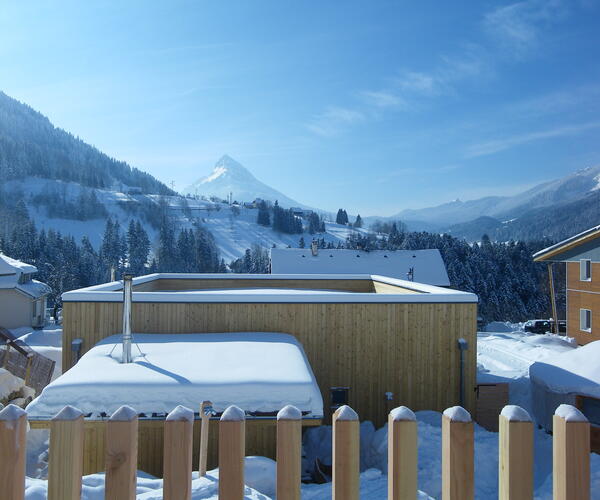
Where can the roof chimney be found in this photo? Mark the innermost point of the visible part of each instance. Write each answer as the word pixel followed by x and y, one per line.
pixel 127 298
pixel 314 248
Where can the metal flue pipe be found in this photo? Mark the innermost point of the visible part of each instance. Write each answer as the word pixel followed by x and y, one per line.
pixel 127 299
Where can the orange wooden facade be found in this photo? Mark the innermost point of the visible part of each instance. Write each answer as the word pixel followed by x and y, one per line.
pixel 583 295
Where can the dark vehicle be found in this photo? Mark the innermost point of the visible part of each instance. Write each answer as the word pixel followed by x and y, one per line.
pixel 542 326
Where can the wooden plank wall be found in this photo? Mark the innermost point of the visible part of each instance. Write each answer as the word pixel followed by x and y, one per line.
pixel 407 349
pixel 583 295
pixel 260 440
pixel 359 286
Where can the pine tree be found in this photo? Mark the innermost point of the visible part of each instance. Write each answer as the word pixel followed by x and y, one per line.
pixel 358 222
pixel 263 218
pixel 301 243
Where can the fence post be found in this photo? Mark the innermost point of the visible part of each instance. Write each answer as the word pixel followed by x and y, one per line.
pixel 402 454
pixel 289 453
pixel 457 455
pixel 232 449
pixel 13 429
pixel 177 466
pixel 571 454
pixel 121 454
pixel 346 454
pixel 205 411
pixel 65 461
pixel 515 447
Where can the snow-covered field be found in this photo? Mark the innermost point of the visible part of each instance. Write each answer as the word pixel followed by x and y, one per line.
pixel 234 230
pixel 504 354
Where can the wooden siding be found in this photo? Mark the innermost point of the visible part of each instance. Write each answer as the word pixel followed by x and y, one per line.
pixel 359 286
pixel 408 349
pixel 583 295
pixel 387 288
pixel 260 440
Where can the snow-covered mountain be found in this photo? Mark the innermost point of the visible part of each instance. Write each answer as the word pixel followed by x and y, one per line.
pixel 229 176
pixel 568 189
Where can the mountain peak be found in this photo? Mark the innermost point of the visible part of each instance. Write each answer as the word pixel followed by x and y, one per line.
pixel 230 176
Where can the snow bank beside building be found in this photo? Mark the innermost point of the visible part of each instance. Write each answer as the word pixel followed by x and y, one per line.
pixel 558 380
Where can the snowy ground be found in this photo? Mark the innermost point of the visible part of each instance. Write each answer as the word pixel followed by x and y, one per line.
pixel 504 355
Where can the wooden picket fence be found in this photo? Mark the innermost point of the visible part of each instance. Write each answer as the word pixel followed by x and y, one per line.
pixel 571 455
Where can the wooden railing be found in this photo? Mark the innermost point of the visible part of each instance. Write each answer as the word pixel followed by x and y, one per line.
pixel 571 454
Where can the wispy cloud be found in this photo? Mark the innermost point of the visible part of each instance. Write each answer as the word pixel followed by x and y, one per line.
pixel 518 26
pixel 497 145
pixel 333 120
pixel 383 99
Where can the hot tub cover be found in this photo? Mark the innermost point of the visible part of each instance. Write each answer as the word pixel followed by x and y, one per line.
pixel 259 372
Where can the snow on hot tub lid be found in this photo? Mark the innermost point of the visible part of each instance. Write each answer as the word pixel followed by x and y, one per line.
pixel 573 372
pixel 257 371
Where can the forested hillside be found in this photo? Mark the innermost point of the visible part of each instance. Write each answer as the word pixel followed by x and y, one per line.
pixel 510 286
pixel 30 146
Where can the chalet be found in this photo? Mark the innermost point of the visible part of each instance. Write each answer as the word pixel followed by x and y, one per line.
pixel 581 253
pixel 22 299
pixel 422 266
pixel 301 212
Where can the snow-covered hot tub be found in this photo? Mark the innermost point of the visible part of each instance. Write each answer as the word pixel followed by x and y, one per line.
pixel 259 372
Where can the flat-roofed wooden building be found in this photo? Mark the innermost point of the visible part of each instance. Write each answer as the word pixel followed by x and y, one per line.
pixel 581 253
pixel 385 342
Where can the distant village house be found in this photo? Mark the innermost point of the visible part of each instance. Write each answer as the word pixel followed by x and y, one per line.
pixel 22 299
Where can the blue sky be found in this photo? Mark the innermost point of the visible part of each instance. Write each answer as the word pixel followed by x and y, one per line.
pixel 371 106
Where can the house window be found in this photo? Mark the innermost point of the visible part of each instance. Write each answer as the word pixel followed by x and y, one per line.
pixel 585 320
pixel 585 270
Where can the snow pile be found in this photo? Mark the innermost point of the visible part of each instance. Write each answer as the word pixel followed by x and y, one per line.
pixel 515 414
pixel 570 414
pixel 558 380
pixel 577 371
pixel 148 487
pixel 259 372
pixel 457 414
pixel 10 385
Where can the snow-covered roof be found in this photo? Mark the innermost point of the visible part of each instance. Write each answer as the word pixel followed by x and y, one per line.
pixel 428 265
pixel 562 246
pixel 13 266
pixel 573 372
pixel 408 291
pixel 259 372
pixel 10 274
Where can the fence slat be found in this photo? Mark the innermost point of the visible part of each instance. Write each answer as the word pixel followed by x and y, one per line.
pixel 121 454
pixel 571 454
pixel 177 466
pixel 289 453
pixel 13 429
pixel 65 461
pixel 346 458
pixel 457 455
pixel 402 454
pixel 515 448
pixel 205 409
pixel 232 448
